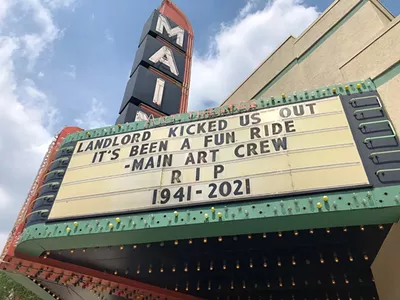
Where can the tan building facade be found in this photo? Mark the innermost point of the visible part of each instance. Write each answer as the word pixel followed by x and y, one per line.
pixel 351 40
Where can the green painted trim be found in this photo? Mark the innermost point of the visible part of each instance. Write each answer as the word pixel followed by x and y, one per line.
pixel 313 47
pixel 227 110
pixel 30 285
pixel 342 208
pixel 388 75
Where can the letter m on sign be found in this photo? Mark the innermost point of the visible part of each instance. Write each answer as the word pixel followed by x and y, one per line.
pixel 162 23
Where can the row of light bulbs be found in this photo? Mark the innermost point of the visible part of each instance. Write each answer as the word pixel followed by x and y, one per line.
pixel 251 264
pixel 235 238
pixel 43 287
pixel 279 282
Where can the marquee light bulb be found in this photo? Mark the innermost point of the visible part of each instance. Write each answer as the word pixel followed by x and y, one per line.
pixel 176 213
pixel 75 224
pixel 219 215
pixel 319 205
pixel 213 209
pixel 68 229
pixel 220 239
pixel 206 216
pixel 190 242
pixel 118 220
pixel 325 198
pixel 205 240
pixel 111 226
pixel 264 235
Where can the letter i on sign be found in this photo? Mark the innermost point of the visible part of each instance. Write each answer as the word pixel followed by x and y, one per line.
pixel 197 174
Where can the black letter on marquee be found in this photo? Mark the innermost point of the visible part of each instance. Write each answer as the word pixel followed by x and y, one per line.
pixel 185 144
pixel 285 112
pixel 255 133
pixel 190 159
pixel 197 174
pixel 311 106
pixel 146 135
pixel 176 174
pixel 172 131
pixel 237 151
pixel 217 170
pixel 289 126
pixel 214 154
pixel 280 143
pixel 115 154
pixel 80 148
pixel 276 128
pixel 134 151
pixel 207 139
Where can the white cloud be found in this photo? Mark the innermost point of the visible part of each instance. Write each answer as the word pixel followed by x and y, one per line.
pixel 94 117
pixel 3 239
pixel 5 198
pixel 238 48
pixel 36 42
pixel 109 36
pixel 27 115
pixel 4 7
pixel 71 72
pixel 60 3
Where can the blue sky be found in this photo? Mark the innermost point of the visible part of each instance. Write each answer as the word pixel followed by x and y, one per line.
pixel 66 62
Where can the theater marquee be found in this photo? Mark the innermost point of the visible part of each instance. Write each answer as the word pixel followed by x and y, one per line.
pixel 270 152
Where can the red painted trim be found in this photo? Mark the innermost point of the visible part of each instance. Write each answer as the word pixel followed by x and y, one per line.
pixel 170 10
pixel 70 274
pixel 151 110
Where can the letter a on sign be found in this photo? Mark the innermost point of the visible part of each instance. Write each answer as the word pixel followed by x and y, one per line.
pixel 166 57
pixel 162 23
